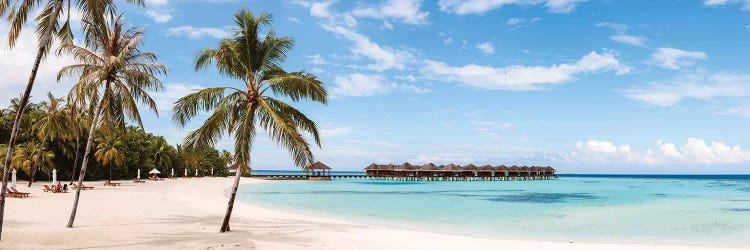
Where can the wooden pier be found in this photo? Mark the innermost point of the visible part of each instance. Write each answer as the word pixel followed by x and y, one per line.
pixel 428 172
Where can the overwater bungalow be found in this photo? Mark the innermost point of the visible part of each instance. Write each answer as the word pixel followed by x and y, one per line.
pixel 514 171
pixel 405 170
pixel 502 171
pixel 428 170
pixel 318 169
pixel 453 172
pixel 486 171
pixel 525 171
pixel 470 170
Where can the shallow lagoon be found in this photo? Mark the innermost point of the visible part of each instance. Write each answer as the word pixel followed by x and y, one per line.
pixel 599 209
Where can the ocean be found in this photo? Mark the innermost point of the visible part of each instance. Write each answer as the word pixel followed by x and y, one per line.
pixel 661 209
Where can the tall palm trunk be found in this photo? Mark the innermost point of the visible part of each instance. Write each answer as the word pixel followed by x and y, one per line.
pixel 22 105
pixel 86 153
pixel 75 163
pixel 225 223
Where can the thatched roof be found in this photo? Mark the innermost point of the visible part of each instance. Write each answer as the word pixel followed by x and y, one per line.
pixel 451 167
pixel 514 168
pixel 525 169
pixel 549 169
pixel 319 166
pixel 428 167
pixel 470 167
pixel 372 167
pixel 487 168
pixel 389 167
pixel 502 168
pixel 406 166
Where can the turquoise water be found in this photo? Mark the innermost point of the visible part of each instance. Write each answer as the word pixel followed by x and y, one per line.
pixel 596 209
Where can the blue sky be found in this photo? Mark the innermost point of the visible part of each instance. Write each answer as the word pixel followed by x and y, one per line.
pixel 609 86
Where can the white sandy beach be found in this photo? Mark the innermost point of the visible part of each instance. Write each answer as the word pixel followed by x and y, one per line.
pixel 186 213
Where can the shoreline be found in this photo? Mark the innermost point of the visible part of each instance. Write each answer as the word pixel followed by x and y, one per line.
pixel 186 213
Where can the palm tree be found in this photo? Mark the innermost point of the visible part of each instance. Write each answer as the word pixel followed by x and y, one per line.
pixel 190 157
pixel 254 59
pixel 162 156
pixel 109 149
pixel 93 12
pixel 226 156
pixel 31 156
pixel 115 74
pixel 79 120
pixel 53 124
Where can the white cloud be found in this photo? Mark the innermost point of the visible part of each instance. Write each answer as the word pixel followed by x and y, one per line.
pixel 349 21
pixel 317 59
pixel 520 22
pixel 320 9
pixel 715 3
pixel 486 48
pixel 156 2
pixel 387 25
pixel 368 85
pixel 703 86
pixel 491 129
pixel 385 57
pixel 671 58
pixel 463 7
pixel 197 32
pixel 739 110
pixel 621 35
pixel 407 11
pixel 409 78
pixel 293 19
pixel 317 8
pixel 172 92
pixel 330 131
pixel 16 67
pixel 159 16
pixel 639 41
pixel 694 151
pixel 448 40
pixel 522 77
pixel 562 6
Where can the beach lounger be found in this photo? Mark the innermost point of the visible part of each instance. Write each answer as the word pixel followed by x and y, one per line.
pixel 106 183
pixel 84 187
pixel 49 189
pixel 12 192
pixel 16 193
pixel 139 181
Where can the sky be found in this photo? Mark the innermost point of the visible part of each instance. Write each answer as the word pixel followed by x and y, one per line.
pixel 609 86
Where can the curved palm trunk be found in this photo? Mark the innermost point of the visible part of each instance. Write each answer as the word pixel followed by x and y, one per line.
pixel 85 160
pixel 225 223
pixel 75 163
pixel 32 174
pixel 22 106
